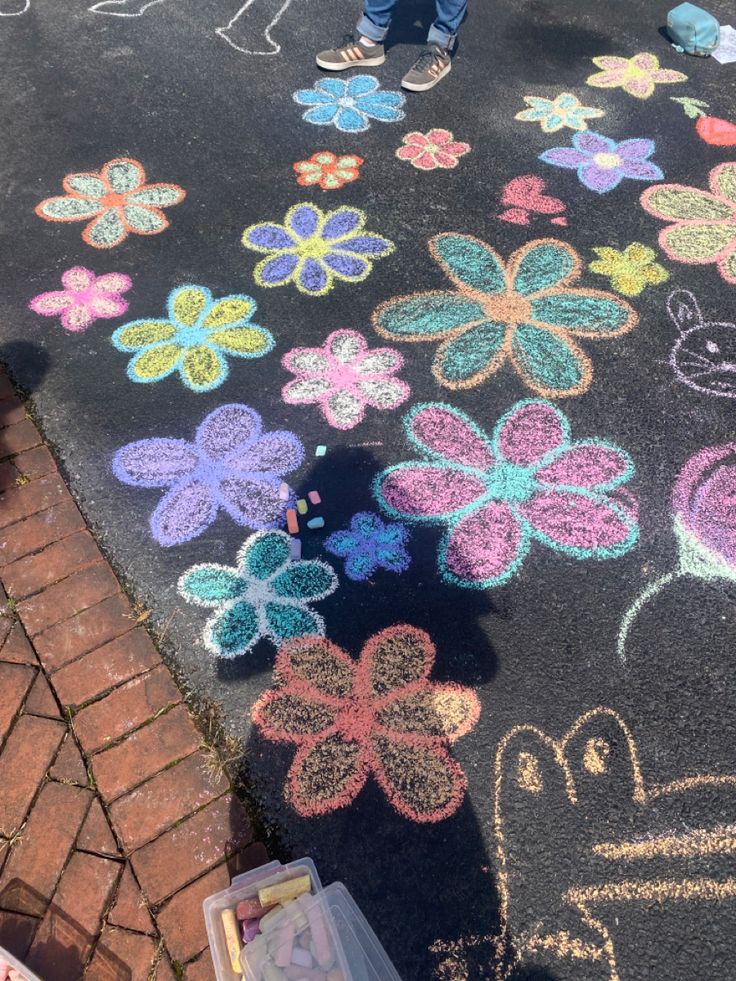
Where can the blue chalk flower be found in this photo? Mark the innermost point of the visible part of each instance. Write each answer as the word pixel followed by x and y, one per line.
pixel 370 544
pixel 265 595
pixel 350 105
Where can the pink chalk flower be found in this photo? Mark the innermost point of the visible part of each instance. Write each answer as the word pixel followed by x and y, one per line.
pixel 379 716
pixel 528 483
pixel 343 377
pixel 437 148
pixel 84 299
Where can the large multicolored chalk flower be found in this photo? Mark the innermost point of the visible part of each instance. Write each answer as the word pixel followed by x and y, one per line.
pixel 265 595
pixel 343 377
pixel 379 716
pixel 118 201
pixel 526 311
pixel 194 340
pixel 637 76
pixel 529 482
pixel 231 465
pixel 351 104
pixel 313 248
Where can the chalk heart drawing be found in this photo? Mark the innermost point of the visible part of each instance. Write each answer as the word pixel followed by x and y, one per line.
pixel 344 377
pixel 591 856
pixel 526 311
pixel 637 76
pixel 704 354
pixel 704 525
pixel 566 110
pixel 370 544
pixel 703 223
pixel 84 299
pixel 379 716
pixel 601 163
pixel 264 596
pixel 524 196
pixel 116 199
pixel 232 465
pixel 313 249
pixel 196 338
pixel 529 482
pixel 350 105
pixel 630 270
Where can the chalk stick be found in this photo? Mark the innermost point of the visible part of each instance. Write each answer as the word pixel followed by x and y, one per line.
pixel 272 973
pixel 314 497
pixel 291 521
pixel 297 973
pixel 302 506
pixel 285 945
pixel 301 957
pixel 320 451
pixel 251 929
pixel 230 928
pixel 296 549
pixel 284 492
pixel 249 909
pixel 285 891
pixel 322 946
pixel 316 523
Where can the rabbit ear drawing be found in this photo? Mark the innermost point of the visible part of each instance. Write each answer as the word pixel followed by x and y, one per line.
pixel 684 311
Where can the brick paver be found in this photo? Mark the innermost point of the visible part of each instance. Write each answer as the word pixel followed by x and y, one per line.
pixel 103 771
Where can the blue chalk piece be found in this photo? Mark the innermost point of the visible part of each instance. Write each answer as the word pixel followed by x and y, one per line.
pixel 320 451
pixel 316 523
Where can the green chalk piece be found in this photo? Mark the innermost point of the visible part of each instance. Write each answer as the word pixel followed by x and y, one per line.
pixel 302 506
pixel 316 523
pixel 320 451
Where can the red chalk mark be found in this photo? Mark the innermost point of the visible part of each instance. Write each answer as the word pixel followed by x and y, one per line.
pixel 525 195
pixel 558 221
pixel 518 216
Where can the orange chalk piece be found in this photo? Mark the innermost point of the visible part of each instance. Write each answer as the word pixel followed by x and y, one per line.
pixel 284 892
pixel 314 497
pixel 230 928
pixel 292 523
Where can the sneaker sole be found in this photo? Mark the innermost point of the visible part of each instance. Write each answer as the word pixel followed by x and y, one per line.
pixel 424 86
pixel 335 66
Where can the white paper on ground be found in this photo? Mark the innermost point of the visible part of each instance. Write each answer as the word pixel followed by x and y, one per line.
pixel 726 50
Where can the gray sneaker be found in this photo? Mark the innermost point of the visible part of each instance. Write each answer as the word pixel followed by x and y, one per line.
pixel 352 53
pixel 428 69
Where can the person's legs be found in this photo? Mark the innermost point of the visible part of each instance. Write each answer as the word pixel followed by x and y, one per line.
pixel 449 17
pixel 376 19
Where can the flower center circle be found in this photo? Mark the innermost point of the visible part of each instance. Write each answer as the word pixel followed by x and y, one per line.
pixel 113 200
pixel 507 308
pixel 347 102
pixel 509 482
pixel 190 336
pixel 356 720
pixel 314 247
pixel 607 161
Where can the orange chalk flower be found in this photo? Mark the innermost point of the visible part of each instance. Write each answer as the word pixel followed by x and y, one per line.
pixel 328 170
pixel 380 715
pixel 637 75
pixel 118 201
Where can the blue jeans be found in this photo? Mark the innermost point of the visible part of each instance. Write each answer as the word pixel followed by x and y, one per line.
pixel 377 16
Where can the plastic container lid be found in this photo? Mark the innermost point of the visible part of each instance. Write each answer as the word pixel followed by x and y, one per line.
pixel 246 886
pixel 348 948
pixel 5 955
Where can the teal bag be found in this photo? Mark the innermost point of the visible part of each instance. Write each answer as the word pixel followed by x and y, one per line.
pixel 693 30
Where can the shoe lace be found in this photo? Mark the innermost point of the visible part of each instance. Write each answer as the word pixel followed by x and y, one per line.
pixel 425 60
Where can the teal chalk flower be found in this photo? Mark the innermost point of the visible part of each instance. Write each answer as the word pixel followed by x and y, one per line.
pixel 194 339
pixel 554 114
pixel 265 595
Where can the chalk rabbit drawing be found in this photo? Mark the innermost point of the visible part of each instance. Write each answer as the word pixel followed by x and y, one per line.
pixel 603 876
pixel 248 31
pixel 704 355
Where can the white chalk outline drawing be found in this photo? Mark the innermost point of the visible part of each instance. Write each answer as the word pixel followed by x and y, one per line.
pixel 281 5
pixel 685 313
pixel 17 13
pixel 98 8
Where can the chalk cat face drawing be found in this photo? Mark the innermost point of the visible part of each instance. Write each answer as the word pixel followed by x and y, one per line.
pixel 602 876
pixel 704 355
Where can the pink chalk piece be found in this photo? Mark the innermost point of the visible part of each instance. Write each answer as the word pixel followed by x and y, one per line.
pixel 575 521
pixel 322 946
pixel 516 216
pixel 454 438
pixel 530 432
pixel 585 465
pixel 429 491
pixel 284 492
pixel 314 497
pixel 484 544
pixel 285 944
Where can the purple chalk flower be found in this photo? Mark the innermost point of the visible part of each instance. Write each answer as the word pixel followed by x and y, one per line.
pixel 602 163
pixel 232 464
pixel 370 544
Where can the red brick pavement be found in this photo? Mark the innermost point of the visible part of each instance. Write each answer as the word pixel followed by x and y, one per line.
pixel 112 828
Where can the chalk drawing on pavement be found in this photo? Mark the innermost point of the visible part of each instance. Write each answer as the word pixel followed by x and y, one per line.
pixel 565 906
pixel 14 8
pixel 524 197
pixel 249 30
pixel 704 354
pixel 123 8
